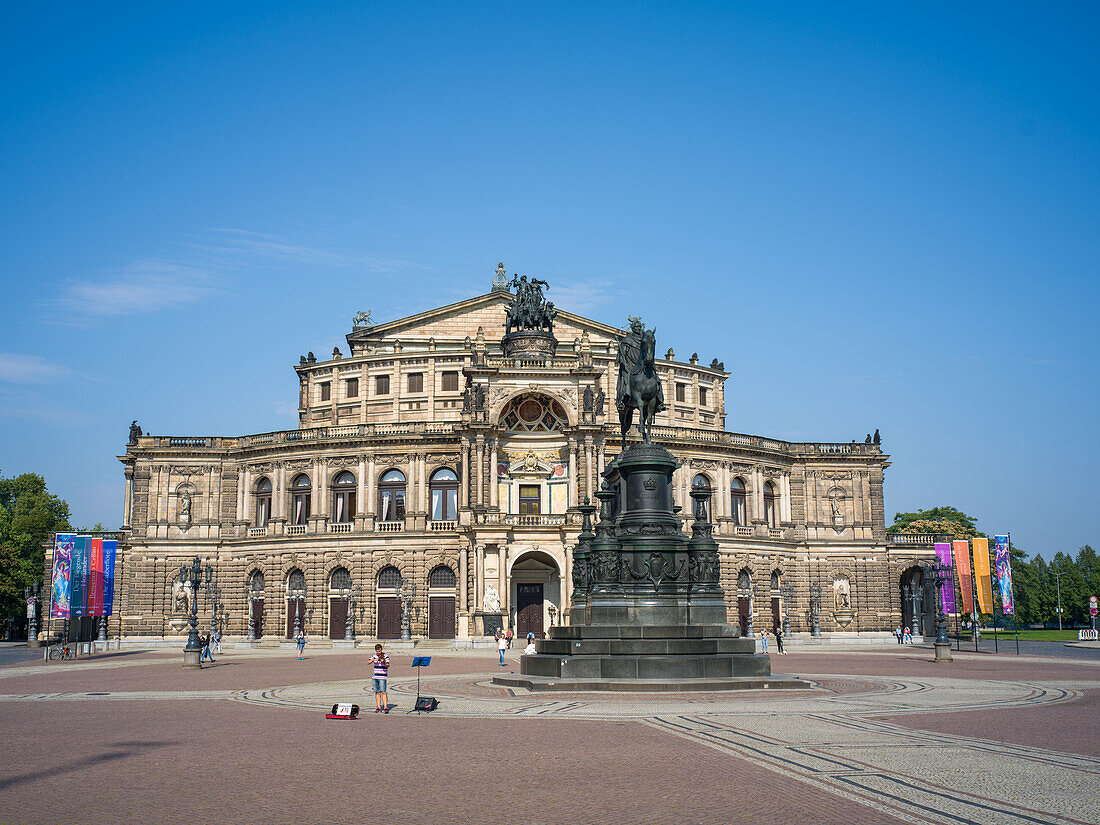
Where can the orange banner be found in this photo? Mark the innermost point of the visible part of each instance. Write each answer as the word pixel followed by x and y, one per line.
pixel 962 564
pixel 981 575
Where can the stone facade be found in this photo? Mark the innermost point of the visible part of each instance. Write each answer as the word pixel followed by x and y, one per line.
pixel 492 454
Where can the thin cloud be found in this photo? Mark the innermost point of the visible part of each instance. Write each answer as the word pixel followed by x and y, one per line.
pixel 144 286
pixel 243 247
pixel 30 369
pixel 585 297
pixel 29 405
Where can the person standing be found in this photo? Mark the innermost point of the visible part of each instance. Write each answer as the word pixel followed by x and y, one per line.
pixel 897 633
pixel 381 663
pixel 204 640
pixel 508 637
pixel 300 640
pixel 778 640
pixel 216 640
pixel 502 645
pixel 763 640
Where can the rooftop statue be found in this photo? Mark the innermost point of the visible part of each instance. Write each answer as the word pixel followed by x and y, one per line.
pixel 529 309
pixel 638 386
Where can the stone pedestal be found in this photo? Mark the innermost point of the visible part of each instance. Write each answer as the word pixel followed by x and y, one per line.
pixel 191 658
pixel 943 652
pixel 486 623
pixel 656 610
pixel 529 343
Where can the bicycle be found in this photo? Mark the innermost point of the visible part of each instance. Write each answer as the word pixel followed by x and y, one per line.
pixel 62 652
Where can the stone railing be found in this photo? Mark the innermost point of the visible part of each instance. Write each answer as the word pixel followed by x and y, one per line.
pixel 917 539
pixel 666 433
pixel 256 532
pixel 442 525
pixel 346 431
pixel 556 363
pixel 389 526
pixel 775 532
pixel 296 529
pixel 741 530
pixel 340 527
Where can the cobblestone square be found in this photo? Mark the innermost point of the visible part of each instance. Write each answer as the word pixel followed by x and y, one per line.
pixel 883 736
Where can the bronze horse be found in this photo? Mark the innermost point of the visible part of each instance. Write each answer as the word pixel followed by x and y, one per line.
pixel 643 390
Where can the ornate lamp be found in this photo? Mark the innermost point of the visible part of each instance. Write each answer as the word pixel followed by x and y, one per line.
pixel 787 591
pixel 195 574
pixel 940 574
pixel 815 609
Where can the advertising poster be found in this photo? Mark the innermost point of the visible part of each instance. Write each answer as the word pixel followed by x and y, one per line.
pixel 110 548
pixel 947 590
pixel 1002 564
pixel 981 575
pixel 78 600
pixel 962 565
pixel 62 573
pixel 95 577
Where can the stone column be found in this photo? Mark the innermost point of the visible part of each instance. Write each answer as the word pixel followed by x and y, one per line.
pixel 163 485
pixel 479 576
pixel 210 512
pixel 493 485
pixel 785 497
pixel 865 485
pixel 128 502
pixel 464 476
pixel 502 579
pixel 422 461
pixel 412 497
pixel 463 584
pixel 479 489
pixel 601 459
pixel 361 489
pixel 588 465
pixel 372 486
pixel 757 494
pixel 240 494
pixel 248 496
pixel 574 482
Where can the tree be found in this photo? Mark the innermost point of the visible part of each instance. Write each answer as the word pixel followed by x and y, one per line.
pixel 29 513
pixel 944 520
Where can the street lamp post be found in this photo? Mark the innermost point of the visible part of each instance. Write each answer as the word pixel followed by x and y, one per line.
pixel 31 593
pixel 815 609
pixel 1058 584
pixel 349 625
pixel 194 573
pixel 940 574
pixel 407 592
pixel 251 619
pixel 788 593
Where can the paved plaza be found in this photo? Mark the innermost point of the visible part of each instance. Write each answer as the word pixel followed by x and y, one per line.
pixel 883 736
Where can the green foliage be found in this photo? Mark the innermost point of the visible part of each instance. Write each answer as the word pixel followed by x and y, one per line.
pixel 946 520
pixel 28 514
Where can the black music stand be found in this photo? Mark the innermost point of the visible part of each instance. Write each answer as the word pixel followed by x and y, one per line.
pixel 428 704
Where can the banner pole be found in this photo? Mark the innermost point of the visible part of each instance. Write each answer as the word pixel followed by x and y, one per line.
pixel 1012 590
pixel 996 649
pixel 975 610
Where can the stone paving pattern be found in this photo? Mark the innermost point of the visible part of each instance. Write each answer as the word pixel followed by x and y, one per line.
pixel 245 741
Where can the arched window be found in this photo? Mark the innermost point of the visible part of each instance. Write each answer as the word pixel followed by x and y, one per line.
pixel 737 502
pixel 775 581
pixel 700 480
pixel 443 487
pixel 343 498
pixel 256 583
pixel 771 515
pixel 533 412
pixel 339 579
pixel 299 499
pixel 296 581
pixel 744 582
pixel 442 577
pixel 389 578
pixel 391 496
pixel 263 502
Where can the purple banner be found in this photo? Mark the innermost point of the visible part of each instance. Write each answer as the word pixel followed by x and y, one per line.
pixel 110 547
pixel 947 592
pixel 62 572
pixel 1002 564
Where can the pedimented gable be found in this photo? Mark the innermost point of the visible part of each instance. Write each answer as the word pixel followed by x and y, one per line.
pixel 455 322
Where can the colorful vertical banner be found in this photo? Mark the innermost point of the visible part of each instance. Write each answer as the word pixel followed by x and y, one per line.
pixel 95 577
pixel 78 598
pixel 981 575
pixel 962 565
pixel 1002 564
pixel 947 589
pixel 62 575
pixel 110 548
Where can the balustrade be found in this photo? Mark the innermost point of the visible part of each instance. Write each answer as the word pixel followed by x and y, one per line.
pixel 389 526
pixel 296 529
pixel 340 527
pixel 442 525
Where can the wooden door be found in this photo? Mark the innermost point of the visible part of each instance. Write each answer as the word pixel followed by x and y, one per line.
pixel 258 617
pixel 777 619
pixel 743 603
pixel 337 617
pixel 529 610
pixel 389 617
pixel 441 617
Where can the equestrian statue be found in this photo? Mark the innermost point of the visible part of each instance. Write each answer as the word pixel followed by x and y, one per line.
pixel 639 387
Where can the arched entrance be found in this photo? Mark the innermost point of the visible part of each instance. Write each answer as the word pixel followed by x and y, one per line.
pixel 389 604
pixel 744 602
pixel 912 600
pixel 339 600
pixel 535 591
pixel 295 602
pixel 256 604
pixel 441 602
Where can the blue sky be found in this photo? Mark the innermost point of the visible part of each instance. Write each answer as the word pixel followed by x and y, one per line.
pixel 878 215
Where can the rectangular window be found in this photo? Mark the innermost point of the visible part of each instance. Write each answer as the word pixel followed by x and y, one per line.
pixel 702 396
pixel 529 499
pixel 416 382
pixel 353 388
pixel 326 391
pixel 450 382
pixel 381 385
pixel 681 393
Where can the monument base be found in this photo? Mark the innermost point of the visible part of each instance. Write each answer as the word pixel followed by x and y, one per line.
pixel 943 652
pixel 191 658
pixel 647 658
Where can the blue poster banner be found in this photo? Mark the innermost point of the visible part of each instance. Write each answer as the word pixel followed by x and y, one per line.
pixel 81 570
pixel 62 575
pixel 110 548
